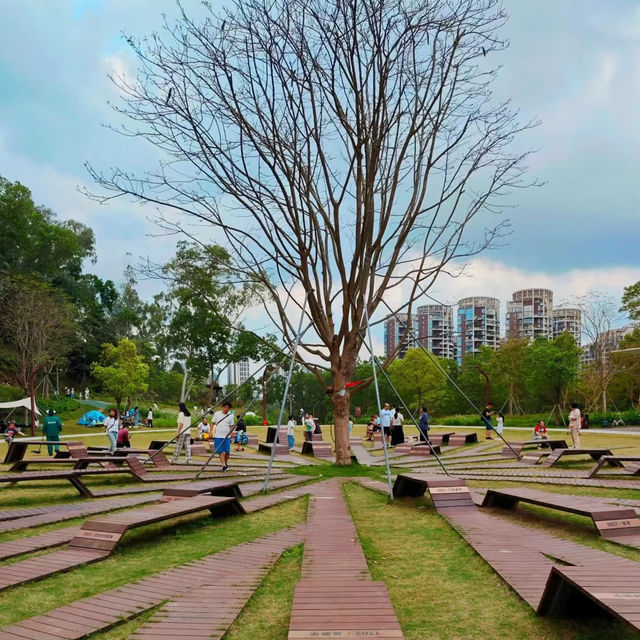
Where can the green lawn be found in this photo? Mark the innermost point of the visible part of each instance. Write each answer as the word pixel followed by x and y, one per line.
pixel 439 586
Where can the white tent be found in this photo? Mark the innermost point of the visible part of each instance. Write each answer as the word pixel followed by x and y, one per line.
pixel 25 402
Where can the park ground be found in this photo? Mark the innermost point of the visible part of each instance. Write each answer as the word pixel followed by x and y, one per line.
pixel 439 586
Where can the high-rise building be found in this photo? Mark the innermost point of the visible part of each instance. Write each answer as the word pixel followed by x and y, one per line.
pixel 529 314
pixel 394 332
pixel 478 324
pixel 607 342
pixel 568 319
pixel 239 372
pixel 435 330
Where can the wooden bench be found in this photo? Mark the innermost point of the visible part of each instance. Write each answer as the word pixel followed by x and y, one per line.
pixel 212 487
pixel 18 448
pixel 442 438
pixel 80 458
pixel 586 591
pixel 318 448
pixel 97 538
pixel 446 493
pixel 532 458
pixel 282 444
pixel 618 524
pixel 595 454
pixel 632 469
pixel 517 447
pixel 460 439
pixel 424 449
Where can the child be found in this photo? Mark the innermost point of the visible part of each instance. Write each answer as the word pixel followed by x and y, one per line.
pixel 500 425
pixel 204 429
pixel 12 431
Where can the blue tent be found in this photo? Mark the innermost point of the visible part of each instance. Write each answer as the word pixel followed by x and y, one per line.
pixel 92 419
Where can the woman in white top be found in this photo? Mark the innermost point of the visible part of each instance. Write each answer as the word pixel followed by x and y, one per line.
pixel 111 426
pixel 184 433
pixel 397 431
pixel 574 425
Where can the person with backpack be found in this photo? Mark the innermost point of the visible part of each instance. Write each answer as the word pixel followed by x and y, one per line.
pixel 51 429
pixel 223 425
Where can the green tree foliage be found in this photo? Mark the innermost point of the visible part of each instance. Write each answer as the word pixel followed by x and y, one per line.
pixel 627 377
pixel 631 301
pixel 122 371
pixel 34 242
pixel 36 328
pixel 204 304
pixel 552 365
pixel 417 379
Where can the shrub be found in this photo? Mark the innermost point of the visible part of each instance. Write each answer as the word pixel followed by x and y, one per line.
pixel 9 393
pixel 59 405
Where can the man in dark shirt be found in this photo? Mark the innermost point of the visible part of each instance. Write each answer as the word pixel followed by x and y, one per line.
pixel 423 424
pixel 486 418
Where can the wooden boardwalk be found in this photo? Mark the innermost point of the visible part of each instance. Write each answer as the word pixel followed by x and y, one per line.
pixel 615 523
pixel 102 611
pixel 336 597
pixel 533 562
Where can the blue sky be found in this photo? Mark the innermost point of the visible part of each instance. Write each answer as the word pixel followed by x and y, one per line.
pixel 574 64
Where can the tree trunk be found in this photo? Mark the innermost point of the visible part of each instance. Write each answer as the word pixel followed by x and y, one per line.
pixel 32 394
pixel 341 404
pixel 184 383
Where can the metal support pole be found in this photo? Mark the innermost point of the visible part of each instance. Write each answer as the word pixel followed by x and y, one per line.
pixel 375 382
pixel 406 408
pixel 447 376
pixel 294 350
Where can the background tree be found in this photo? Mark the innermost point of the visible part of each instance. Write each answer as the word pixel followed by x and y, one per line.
pixel 598 319
pixel 35 329
pixel 123 372
pixel 203 306
pixel 508 363
pixel 631 301
pixel 416 379
pixel 627 366
pixel 342 149
pixel 552 365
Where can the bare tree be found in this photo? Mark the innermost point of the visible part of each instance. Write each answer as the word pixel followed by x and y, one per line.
pixel 37 330
pixel 341 148
pixel 598 317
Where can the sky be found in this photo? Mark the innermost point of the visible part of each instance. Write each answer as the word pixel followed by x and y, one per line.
pixel 574 65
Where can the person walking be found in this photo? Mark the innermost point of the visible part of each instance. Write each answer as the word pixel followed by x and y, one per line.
pixel 51 428
pixel 486 419
pixel 184 434
pixel 111 426
pixel 86 393
pixel 423 424
pixel 150 418
pixel 575 424
pixel 397 431
pixel 291 434
pixel 223 424
pixel 385 422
